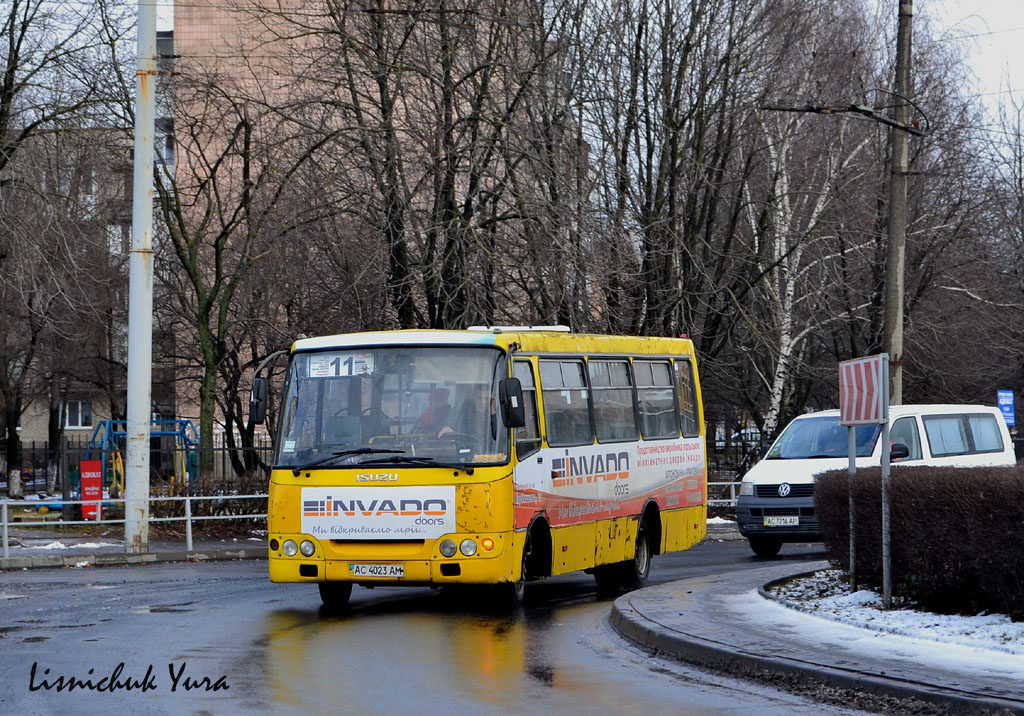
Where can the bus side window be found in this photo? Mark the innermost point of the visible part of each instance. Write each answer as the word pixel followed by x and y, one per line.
pixel 614 412
pixel 527 437
pixel 566 402
pixel 687 397
pixel 657 402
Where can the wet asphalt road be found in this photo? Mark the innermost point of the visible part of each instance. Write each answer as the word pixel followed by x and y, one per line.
pixel 247 646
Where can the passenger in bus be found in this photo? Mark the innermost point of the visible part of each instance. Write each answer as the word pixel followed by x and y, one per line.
pixel 472 414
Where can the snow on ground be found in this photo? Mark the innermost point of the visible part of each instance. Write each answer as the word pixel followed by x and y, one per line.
pixel 60 545
pixel 824 594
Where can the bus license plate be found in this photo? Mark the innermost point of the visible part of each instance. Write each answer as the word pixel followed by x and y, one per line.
pixel 377 570
pixel 788 521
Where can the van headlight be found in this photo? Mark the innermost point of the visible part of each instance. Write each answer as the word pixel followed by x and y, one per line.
pixel 746 488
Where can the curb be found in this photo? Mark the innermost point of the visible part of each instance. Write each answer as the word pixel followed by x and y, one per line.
pixel 700 651
pixel 113 559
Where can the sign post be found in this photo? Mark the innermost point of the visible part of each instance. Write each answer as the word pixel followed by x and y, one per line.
pixel 1004 399
pixel 91 479
pixel 864 400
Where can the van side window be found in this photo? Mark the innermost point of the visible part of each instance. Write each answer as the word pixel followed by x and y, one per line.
pixel 686 395
pixel 527 437
pixel 614 413
pixel 962 434
pixel 985 431
pixel 566 402
pixel 658 417
pixel 905 431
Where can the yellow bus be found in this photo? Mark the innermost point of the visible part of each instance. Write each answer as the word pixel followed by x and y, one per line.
pixel 487 456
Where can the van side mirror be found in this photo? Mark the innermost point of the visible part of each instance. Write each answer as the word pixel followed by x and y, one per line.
pixel 258 401
pixel 899 451
pixel 510 396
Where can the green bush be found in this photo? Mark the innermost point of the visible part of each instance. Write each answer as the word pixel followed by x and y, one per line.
pixel 955 534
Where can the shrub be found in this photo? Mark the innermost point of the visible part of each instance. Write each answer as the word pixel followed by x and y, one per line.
pixel 955 534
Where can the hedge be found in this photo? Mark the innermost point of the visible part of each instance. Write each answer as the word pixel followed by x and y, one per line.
pixel 956 534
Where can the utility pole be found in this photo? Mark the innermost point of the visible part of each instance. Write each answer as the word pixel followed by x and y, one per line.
pixel 897 234
pixel 140 292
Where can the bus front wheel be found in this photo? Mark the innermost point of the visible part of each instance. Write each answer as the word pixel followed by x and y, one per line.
pixel 335 595
pixel 511 594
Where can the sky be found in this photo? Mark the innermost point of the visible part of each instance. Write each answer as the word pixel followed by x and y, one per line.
pixel 993 31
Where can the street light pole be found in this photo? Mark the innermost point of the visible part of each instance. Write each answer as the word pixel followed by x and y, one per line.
pixel 897 232
pixel 140 297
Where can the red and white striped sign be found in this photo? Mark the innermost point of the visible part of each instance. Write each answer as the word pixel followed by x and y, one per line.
pixel 864 390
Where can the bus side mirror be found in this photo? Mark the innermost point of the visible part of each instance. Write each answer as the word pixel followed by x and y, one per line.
pixel 258 401
pixel 899 451
pixel 510 395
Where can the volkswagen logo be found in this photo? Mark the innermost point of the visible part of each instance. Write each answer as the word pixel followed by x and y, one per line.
pixel 784 489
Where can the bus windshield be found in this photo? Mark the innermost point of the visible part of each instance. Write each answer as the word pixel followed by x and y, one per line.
pixel 393 405
pixel 821 437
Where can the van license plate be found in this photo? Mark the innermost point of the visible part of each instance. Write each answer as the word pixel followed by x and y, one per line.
pixel 377 570
pixel 788 521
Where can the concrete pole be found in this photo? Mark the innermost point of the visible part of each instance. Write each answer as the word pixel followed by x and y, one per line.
pixel 899 165
pixel 140 300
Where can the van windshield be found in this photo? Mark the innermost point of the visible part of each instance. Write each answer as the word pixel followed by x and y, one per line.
pixel 808 438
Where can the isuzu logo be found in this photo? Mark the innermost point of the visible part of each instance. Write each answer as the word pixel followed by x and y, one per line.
pixel 784 489
pixel 377 477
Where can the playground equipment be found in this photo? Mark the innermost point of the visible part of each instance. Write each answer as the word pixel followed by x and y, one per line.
pixel 109 436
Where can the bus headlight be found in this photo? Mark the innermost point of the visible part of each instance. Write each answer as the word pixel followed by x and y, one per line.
pixel 307 548
pixel 746 488
pixel 447 548
pixel 468 547
pixel 290 548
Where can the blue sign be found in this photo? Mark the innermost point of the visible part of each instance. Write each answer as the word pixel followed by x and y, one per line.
pixel 1005 400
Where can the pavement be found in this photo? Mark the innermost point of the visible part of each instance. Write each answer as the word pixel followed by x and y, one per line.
pixel 35 548
pixel 704 622
pixel 700 621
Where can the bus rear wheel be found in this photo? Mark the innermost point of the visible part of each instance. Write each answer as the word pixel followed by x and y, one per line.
pixel 631 574
pixel 335 595
pixel 636 571
pixel 765 546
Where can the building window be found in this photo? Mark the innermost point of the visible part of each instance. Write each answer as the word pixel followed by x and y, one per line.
pixel 79 414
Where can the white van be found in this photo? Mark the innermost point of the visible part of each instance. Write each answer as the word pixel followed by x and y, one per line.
pixel 776 500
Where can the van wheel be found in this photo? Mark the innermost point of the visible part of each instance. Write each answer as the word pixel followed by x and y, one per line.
pixel 335 595
pixel 765 546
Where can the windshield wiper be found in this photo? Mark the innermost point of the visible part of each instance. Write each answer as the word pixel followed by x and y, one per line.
pixel 412 460
pixel 339 454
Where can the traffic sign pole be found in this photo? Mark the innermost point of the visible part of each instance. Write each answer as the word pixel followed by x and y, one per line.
pixel 864 400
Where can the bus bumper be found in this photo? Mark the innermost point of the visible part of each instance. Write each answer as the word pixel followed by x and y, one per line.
pixel 421 564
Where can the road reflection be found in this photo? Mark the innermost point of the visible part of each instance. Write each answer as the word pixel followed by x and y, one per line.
pixel 432 645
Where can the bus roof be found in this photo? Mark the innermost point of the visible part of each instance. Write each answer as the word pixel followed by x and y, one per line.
pixel 532 339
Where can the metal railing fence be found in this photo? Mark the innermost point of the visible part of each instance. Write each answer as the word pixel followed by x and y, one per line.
pixel 187 516
pixel 172 469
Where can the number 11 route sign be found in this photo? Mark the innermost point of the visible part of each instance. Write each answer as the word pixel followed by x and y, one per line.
pixel 864 390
